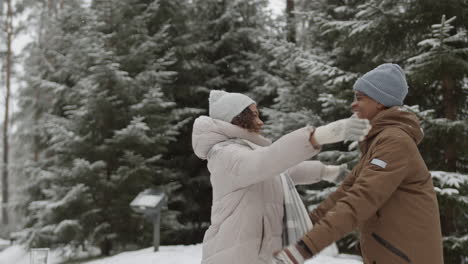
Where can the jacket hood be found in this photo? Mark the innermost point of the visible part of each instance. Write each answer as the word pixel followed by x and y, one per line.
pixel 397 117
pixel 208 132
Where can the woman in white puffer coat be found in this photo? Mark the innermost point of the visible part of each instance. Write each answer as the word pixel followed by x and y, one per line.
pixel 248 206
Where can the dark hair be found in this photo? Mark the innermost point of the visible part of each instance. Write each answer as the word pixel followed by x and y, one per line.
pixel 246 119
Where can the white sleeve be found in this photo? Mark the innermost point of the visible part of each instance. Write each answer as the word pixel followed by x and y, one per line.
pixel 252 166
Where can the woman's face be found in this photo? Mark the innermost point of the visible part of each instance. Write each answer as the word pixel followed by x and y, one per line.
pixel 258 123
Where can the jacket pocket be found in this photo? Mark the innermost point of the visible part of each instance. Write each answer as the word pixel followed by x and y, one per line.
pixel 390 247
pixel 262 237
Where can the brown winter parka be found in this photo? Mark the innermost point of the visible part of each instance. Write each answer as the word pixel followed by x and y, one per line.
pixel 389 197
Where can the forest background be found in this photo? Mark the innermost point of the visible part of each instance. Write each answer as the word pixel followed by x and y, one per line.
pixel 108 91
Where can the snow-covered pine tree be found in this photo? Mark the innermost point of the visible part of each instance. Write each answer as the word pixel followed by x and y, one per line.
pixel 34 97
pixel 306 89
pixel 440 69
pixel 212 49
pixel 300 84
pixel 188 205
pixel 312 79
pixel 354 37
pixel 48 80
pixel 107 129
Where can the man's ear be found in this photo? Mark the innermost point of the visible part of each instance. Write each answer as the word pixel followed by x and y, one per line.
pixel 381 106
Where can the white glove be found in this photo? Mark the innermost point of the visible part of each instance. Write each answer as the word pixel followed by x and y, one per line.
pixel 345 129
pixel 335 174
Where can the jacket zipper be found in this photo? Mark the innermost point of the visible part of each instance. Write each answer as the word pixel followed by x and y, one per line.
pixel 390 247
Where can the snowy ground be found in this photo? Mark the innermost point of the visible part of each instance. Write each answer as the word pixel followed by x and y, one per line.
pixel 166 255
pixel 4 244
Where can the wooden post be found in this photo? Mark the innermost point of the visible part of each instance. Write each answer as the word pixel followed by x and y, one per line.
pixel 156 231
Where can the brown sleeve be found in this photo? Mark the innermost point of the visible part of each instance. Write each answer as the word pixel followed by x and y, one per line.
pixel 321 210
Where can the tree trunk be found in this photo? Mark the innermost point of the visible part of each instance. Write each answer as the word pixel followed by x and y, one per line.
pixel 36 138
pixel 8 69
pixel 450 112
pixel 106 247
pixel 450 154
pixel 290 21
pixel 51 8
pixel 48 10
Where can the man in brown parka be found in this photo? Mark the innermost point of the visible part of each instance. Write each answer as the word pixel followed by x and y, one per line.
pixel 389 196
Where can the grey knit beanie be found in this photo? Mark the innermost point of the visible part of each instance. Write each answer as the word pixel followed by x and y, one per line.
pixel 225 106
pixel 385 84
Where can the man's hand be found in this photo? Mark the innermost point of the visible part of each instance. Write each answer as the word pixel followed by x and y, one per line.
pixel 288 255
pixel 351 129
pixel 293 254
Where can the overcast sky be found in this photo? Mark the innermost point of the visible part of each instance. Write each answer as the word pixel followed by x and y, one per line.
pixel 277 6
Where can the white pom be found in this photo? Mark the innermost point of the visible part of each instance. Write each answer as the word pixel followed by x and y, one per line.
pixel 215 95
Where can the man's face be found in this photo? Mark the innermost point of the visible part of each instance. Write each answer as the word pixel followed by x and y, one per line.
pixel 365 107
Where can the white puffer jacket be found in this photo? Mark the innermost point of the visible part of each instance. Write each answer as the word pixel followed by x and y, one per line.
pixel 247 210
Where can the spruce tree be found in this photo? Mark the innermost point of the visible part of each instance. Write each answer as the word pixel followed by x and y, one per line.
pixel 106 130
pixel 213 47
pixel 305 91
pixel 355 36
pixel 440 68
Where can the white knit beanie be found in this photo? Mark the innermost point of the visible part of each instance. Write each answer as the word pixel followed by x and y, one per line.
pixel 225 106
pixel 385 84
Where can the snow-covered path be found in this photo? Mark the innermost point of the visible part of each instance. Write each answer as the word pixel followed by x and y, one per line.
pixel 167 255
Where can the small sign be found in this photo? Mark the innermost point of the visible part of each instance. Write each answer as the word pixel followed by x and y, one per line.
pixel 39 256
pixel 148 201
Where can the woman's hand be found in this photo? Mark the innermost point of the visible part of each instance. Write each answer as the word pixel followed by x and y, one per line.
pixel 336 174
pixel 351 129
